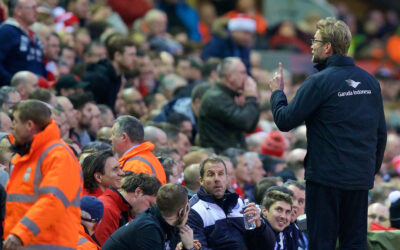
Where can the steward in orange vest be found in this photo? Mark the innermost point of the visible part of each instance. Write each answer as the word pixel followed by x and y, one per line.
pixel 135 155
pixel 43 192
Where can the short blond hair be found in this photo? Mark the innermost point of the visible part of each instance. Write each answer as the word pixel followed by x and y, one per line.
pixel 335 32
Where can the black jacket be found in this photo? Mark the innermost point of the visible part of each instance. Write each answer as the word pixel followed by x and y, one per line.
pixel 104 82
pixel 219 224
pixel 222 122
pixel 346 130
pixel 148 231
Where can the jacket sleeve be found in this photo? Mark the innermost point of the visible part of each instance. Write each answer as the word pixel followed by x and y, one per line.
pixel 6 44
pixel 243 118
pixel 196 224
pixel 288 116
pixel 260 238
pixel 56 194
pixel 382 137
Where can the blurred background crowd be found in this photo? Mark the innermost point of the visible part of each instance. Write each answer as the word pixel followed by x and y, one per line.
pixel 96 60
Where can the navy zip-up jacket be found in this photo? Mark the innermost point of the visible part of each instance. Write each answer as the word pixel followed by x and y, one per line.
pixel 19 51
pixel 218 224
pixel 346 130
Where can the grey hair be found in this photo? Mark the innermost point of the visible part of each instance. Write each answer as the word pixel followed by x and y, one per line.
pixel 4 91
pixel 169 82
pixel 151 133
pixel 250 156
pixel 226 66
pixel 132 127
pixel 152 14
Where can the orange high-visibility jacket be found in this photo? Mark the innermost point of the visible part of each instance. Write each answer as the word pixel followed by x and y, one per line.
pixel 141 160
pixel 43 194
pixel 85 242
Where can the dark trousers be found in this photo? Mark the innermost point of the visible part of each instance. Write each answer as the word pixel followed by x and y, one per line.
pixel 333 213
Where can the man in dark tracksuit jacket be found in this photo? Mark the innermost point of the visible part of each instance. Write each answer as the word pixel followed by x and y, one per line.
pixel 216 214
pixel 222 121
pixel 346 132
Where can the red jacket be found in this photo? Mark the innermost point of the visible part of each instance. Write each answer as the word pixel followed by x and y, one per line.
pixel 116 214
pixel 141 160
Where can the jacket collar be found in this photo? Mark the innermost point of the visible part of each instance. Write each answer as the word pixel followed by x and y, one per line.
pixel 227 202
pixel 119 199
pixel 335 60
pixel 49 133
pixel 11 21
pixel 145 146
pixel 226 90
pixel 169 230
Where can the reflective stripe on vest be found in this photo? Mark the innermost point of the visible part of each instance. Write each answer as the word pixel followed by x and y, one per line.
pixel 47 247
pixel 82 240
pixel 31 198
pixel 30 225
pixel 142 159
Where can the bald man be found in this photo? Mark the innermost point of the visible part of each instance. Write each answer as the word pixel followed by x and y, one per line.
pixel 191 176
pixel 156 136
pixel 134 104
pixel 378 213
pixel 26 82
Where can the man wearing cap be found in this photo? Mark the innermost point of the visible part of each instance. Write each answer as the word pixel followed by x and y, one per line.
pixel 69 84
pixel 91 213
pixel 241 30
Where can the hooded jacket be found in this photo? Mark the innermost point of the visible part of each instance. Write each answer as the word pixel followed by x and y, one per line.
pixel 140 159
pixel 218 224
pixel 43 193
pixel 346 130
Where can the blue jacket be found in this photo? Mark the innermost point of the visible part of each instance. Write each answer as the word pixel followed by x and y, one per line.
pixel 218 224
pixel 19 51
pixel 346 130
pixel 222 48
pixel 188 16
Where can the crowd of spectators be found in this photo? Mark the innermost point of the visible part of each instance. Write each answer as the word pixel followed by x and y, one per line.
pixel 164 101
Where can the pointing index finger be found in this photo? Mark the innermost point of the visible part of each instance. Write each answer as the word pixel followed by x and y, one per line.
pixel 280 69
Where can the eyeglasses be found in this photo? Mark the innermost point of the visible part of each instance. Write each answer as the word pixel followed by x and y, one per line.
pixel 89 220
pixel 316 40
pixel 380 218
pixel 28 7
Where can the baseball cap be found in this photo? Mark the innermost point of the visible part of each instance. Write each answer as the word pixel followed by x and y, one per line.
pixel 92 206
pixel 70 81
